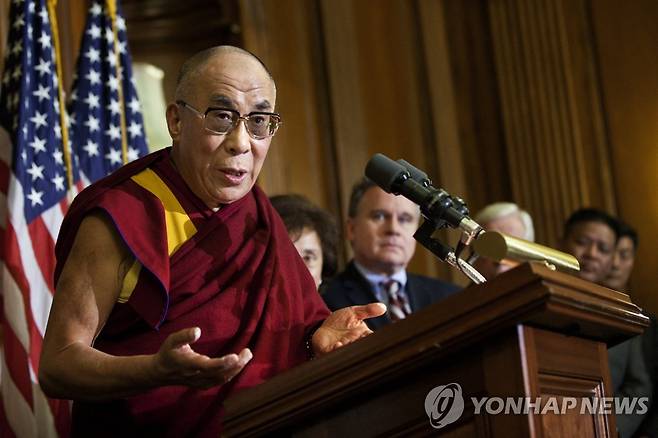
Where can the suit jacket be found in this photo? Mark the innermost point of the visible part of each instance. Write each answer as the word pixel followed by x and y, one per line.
pixel 350 288
pixel 649 426
pixel 629 379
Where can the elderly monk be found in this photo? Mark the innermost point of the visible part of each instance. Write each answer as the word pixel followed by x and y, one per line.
pixel 176 282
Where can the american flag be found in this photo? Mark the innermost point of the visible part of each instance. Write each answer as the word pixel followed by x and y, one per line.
pixel 38 178
pixel 106 121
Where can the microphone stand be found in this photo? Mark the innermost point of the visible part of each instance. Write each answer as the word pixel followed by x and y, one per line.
pixel 444 252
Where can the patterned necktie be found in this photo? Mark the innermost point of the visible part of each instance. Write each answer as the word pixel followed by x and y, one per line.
pixel 398 308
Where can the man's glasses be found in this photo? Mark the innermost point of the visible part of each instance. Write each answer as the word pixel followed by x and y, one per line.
pixel 221 121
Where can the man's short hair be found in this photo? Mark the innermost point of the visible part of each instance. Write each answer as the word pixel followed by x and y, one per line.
pixel 591 215
pixel 500 210
pixel 358 190
pixel 198 60
pixel 298 213
pixel 626 230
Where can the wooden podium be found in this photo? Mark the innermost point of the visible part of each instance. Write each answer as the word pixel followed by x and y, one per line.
pixel 531 332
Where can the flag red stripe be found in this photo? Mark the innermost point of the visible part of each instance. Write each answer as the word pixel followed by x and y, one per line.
pixel 17 364
pixel 61 410
pixel 35 344
pixel 15 268
pixel 64 207
pixel 5 430
pixel 14 263
pixel 44 249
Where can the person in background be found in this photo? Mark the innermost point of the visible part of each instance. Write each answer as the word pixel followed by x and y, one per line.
pixel 507 218
pixel 313 231
pixel 619 279
pixel 592 236
pixel 380 228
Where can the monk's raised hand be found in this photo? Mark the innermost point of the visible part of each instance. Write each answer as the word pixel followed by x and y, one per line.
pixel 176 363
pixel 344 326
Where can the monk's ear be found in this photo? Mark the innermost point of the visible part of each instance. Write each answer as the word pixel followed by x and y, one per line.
pixel 174 121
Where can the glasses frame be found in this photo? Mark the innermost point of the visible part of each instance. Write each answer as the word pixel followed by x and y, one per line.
pixel 276 117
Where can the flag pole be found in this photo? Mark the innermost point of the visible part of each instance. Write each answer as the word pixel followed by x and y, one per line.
pixel 52 4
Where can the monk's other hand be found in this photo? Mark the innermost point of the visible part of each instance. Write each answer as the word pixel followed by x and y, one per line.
pixel 344 326
pixel 176 363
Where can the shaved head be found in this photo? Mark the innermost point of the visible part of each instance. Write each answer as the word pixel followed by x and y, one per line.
pixel 193 66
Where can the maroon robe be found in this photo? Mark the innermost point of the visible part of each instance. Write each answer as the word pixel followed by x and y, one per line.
pixel 239 279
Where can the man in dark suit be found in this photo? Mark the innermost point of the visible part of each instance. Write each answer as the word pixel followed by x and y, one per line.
pixel 380 228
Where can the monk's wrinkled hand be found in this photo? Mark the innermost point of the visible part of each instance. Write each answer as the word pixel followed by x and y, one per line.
pixel 176 363
pixel 344 326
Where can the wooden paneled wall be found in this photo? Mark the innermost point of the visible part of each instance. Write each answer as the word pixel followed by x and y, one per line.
pixel 626 38
pixel 551 106
pixel 497 100
pixel 548 103
pixel 353 81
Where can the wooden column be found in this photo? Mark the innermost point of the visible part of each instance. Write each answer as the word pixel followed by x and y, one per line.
pixel 627 41
pixel 286 35
pixel 352 81
pixel 382 97
pixel 552 111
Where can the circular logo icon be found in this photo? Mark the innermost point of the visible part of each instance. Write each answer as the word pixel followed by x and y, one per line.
pixel 444 405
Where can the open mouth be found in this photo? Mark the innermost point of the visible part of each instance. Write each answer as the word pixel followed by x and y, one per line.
pixel 234 176
pixel 234 172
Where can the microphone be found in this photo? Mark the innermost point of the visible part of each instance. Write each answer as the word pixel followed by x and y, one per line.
pixel 412 183
pixel 416 173
pixel 421 177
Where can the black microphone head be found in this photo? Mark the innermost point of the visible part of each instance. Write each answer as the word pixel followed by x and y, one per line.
pixel 460 205
pixel 416 173
pixel 385 172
